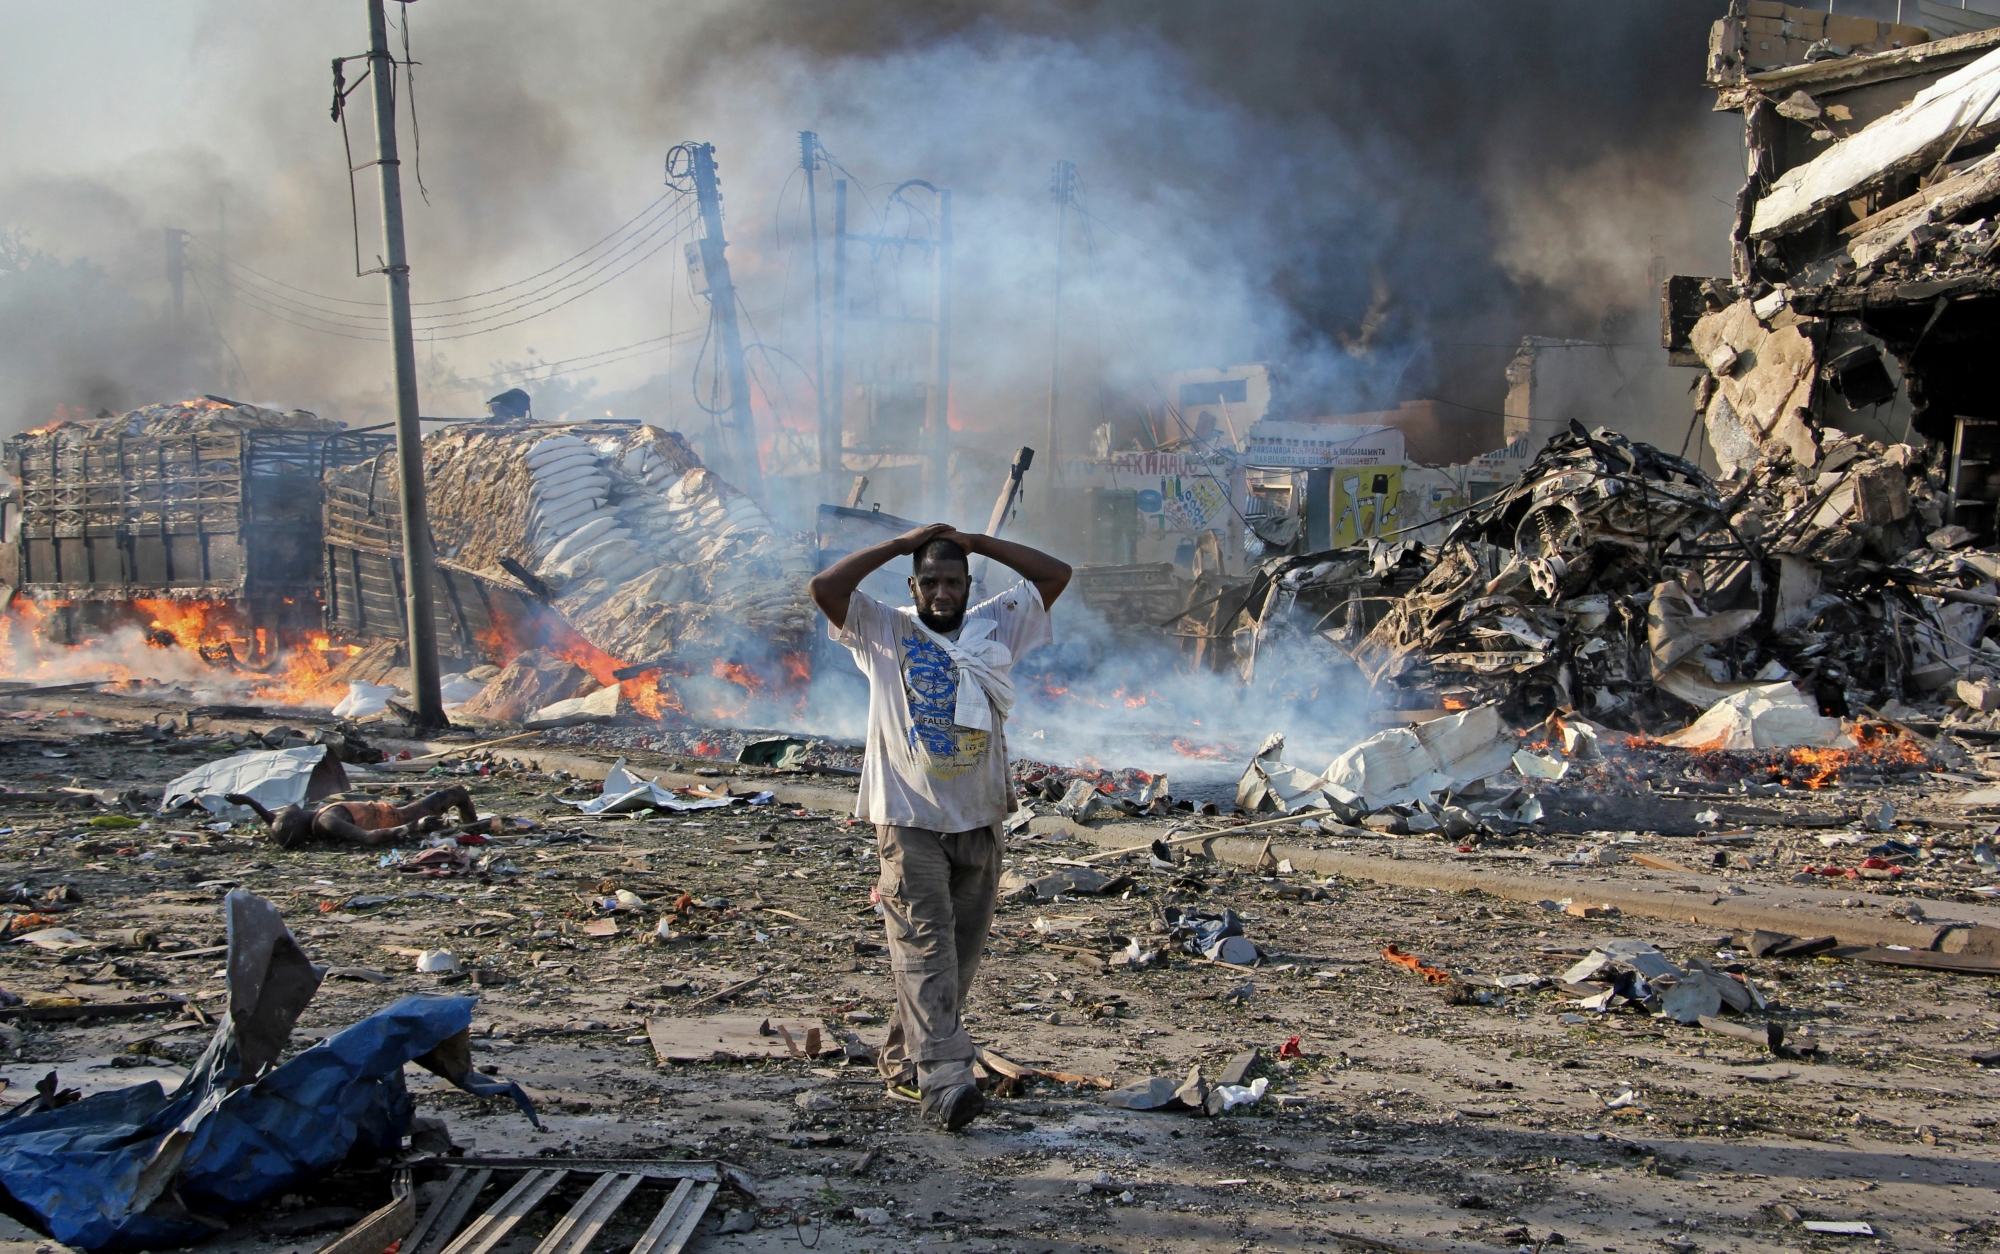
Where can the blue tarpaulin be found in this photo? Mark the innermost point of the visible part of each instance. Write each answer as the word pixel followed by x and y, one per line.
pixel 138 1168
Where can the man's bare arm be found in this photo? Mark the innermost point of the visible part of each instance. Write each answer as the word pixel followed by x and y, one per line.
pixel 834 587
pixel 1050 575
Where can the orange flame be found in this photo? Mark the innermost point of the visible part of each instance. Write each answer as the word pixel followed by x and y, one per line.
pixel 1189 749
pixel 192 623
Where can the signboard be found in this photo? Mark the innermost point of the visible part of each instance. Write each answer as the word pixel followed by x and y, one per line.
pixel 1318 445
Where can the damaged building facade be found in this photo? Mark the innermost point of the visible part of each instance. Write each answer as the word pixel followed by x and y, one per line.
pixel 1862 284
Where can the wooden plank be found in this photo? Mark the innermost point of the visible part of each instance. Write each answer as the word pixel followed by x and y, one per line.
pixel 440 1222
pixel 382 1229
pixel 575 1231
pixel 669 1216
pixel 493 1227
pixel 677 1219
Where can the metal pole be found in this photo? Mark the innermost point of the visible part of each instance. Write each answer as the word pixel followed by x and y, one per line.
pixel 836 396
pixel 941 451
pixel 409 435
pixel 1062 185
pixel 748 472
pixel 829 445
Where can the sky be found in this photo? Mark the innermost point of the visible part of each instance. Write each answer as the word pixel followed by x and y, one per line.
pixel 1384 198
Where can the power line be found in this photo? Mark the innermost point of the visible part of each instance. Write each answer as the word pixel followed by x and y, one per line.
pixel 266 302
pixel 571 299
pixel 462 317
pixel 454 300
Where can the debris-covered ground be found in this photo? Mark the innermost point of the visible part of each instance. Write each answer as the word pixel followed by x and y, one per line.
pixel 1479 1112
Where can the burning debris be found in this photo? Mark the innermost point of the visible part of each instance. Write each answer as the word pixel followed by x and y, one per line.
pixel 632 563
pixel 192 525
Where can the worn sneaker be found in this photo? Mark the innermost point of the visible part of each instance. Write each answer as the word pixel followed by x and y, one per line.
pixel 954 1107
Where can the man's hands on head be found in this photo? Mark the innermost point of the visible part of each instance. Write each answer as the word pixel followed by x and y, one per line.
pixel 917 537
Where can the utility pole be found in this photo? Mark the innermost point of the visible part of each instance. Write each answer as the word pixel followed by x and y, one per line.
pixel 941 313
pixel 747 472
pixel 829 440
pixel 837 396
pixel 409 435
pixel 176 240
pixel 1062 189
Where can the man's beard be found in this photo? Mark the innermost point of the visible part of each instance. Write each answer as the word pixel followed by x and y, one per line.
pixel 942 626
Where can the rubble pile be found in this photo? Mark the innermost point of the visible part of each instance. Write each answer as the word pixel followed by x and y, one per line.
pixel 1622 584
pixel 1536 598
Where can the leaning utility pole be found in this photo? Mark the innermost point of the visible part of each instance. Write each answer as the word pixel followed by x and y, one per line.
pixel 829 440
pixel 749 475
pixel 409 435
pixel 1062 188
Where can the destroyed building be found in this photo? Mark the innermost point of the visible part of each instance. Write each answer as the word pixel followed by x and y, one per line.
pixel 1862 284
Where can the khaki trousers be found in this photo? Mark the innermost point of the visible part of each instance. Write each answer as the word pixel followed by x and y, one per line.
pixel 938 891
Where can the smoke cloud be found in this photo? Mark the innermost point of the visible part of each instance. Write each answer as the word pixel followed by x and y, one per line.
pixel 1382 197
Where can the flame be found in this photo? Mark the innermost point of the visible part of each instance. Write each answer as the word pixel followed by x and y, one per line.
pixel 738 674
pixel 304 679
pixel 1213 753
pixel 1877 746
pixel 798 668
pixel 1455 703
pixel 192 623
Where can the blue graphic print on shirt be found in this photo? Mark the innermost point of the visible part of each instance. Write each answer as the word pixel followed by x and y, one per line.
pixel 932 682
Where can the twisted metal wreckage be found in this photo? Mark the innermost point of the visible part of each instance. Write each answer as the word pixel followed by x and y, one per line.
pixel 1621 584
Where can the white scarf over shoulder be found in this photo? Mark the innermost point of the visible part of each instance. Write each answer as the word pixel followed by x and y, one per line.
pixel 985 684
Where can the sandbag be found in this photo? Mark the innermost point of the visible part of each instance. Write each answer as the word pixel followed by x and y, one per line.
pixel 584 558
pixel 567 516
pixel 554 481
pixel 576 541
pixel 543 451
pixel 566 466
pixel 554 500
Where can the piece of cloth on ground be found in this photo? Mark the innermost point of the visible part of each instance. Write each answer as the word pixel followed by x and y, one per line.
pixel 938 892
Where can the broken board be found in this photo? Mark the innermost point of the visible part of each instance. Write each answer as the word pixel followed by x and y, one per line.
pixel 729 1036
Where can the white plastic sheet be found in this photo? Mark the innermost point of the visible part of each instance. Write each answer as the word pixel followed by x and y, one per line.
pixel 1416 763
pixel 1768 716
pixel 625 791
pixel 274 777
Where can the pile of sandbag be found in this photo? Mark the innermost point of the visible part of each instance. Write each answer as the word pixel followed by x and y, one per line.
pixel 646 553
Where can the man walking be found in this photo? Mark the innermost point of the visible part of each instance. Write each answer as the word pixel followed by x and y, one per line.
pixel 934 780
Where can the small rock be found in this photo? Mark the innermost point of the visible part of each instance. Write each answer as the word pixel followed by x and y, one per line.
pixel 738 1221
pixel 862 1016
pixel 815 1100
pixel 437 962
pixel 874 1216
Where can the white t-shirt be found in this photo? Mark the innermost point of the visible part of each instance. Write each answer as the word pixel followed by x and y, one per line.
pixel 920 768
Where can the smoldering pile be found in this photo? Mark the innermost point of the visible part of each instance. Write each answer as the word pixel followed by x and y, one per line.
pixel 646 552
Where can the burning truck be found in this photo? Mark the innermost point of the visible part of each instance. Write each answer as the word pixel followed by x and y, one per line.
pixel 601 554
pixel 194 524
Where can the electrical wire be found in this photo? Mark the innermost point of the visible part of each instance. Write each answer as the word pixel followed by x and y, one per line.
pixel 327 324
pixel 621 229
pixel 216 327
pixel 463 317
